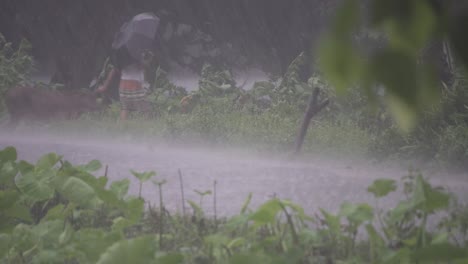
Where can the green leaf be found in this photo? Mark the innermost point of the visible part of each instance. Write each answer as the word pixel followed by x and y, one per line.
pixel 409 24
pixel 134 209
pixel 48 232
pixel 79 192
pixel 427 198
pixel 93 242
pixel 340 63
pixel 333 222
pixel 8 154
pixel 56 212
pixel 120 188
pixel 144 176
pixel 8 198
pixel 137 250
pixel 37 185
pixel 405 116
pixel 357 213
pixel 120 223
pixel 266 213
pixel 93 165
pixel 398 213
pixel 48 161
pixel 382 187
pixel 18 211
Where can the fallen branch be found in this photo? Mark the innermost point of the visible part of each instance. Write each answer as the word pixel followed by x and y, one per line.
pixel 312 109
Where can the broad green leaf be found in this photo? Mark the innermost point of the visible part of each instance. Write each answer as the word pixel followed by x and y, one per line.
pixel 357 213
pixel 144 176
pixel 49 232
pixel 47 256
pixel 25 167
pixel 403 207
pixel 93 242
pixel 382 187
pixel 48 161
pixel 120 188
pixel 120 223
pixel 24 238
pixel 93 165
pixel 18 211
pixel 79 192
pixel 333 222
pixel 102 182
pixel 405 116
pixel 398 73
pixel 137 250
pixel 56 212
pixel 134 209
pixel 412 28
pixel 428 198
pixel 236 242
pixel 8 154
pixel 8 198
pixel 347 18
pixel 110 198
pixel 266 213
pixel 37 185
pixel 340 63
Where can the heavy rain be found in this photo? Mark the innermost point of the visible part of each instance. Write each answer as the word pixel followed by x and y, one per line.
pixel 222 131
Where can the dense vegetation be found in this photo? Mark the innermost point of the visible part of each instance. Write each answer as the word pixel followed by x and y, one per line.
pixel 56 212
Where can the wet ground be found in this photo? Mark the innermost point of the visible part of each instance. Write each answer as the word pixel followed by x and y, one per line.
pixel 310 182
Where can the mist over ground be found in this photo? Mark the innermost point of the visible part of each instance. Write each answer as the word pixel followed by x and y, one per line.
pixel 313 181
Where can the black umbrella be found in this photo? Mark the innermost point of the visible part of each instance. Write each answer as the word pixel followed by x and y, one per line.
pixel 135 37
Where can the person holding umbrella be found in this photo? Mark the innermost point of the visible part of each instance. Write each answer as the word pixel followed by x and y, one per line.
pixel 133 50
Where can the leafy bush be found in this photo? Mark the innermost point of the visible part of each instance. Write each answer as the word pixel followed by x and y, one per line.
pixel 15 65
pixel 55 212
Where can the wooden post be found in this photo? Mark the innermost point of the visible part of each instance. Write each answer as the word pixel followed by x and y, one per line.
pixel 312 109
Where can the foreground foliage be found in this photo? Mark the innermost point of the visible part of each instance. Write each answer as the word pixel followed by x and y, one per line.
pixel 56 212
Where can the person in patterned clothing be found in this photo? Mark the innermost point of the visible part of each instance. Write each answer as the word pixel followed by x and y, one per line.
pixel 133 89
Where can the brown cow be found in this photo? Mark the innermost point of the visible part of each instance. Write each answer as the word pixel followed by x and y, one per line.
pixel 33 103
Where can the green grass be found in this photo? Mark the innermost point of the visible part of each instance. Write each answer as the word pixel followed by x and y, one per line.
pixel 217 125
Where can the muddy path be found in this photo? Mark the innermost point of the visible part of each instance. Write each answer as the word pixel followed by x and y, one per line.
pixel 311 182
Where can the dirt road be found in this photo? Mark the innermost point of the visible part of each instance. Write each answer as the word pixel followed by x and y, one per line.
pixel 312 183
